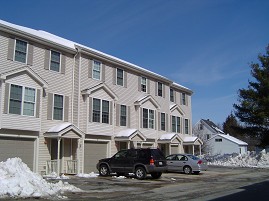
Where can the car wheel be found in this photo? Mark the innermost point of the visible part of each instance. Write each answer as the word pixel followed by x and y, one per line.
pixel 187 170
pixel 156 175
pixel 140 173
pixel 103 170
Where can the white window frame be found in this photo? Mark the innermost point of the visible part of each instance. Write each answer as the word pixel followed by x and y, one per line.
pixel 59 62
pixel 186 126
pixel 125 116
pixel 93 69
pixel 122 77
pixel 101 111
pixel 178 130
pixel 142 84
pixel 150 121
pixel 22 100
pixel 163 123
pixel 53 107
pixel 26 56
pixel 159 89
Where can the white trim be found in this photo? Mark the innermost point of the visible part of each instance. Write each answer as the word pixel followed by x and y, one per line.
pixel 19 136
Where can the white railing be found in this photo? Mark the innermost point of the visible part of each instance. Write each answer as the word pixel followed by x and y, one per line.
pixel 51 166
pixel 71 166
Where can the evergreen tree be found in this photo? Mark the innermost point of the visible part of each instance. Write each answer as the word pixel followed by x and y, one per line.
pixel 253 106
pixel 232 126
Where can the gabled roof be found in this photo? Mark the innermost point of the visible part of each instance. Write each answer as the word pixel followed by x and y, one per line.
pixel 211 126
pixel 174 107
pixel 29 71
pixel 62 129
pixel 170 137
pixel 230 138
pixel 97 87
pixel 130 134
pixel 144 99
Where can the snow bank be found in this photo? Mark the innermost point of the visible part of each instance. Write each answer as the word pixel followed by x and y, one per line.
pixel 90 175
pixel 250 159
pixel 18 181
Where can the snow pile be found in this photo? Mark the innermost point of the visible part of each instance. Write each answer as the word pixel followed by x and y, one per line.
pixel 18 181
pixel 90 175
pixel 250 159
pixel 53 175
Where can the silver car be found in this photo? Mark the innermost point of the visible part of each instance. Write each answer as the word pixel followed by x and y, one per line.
pixel 186 163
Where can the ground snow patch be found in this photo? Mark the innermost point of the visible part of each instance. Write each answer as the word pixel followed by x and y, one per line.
pixel 90 175
pixel 18 181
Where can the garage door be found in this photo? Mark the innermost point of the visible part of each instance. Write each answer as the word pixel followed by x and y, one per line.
pixel 17 147
pixel 93 152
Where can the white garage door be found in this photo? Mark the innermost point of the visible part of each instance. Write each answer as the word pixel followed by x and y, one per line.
pixel 17 147
pixel 93 152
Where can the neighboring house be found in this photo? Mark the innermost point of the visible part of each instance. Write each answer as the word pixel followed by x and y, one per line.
pixel 64 105
pixel 226 144
pixel 216 141
pixel 205 129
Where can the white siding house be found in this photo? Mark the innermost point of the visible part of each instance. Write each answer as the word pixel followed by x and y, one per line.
pixel 226 144
pixel 63 105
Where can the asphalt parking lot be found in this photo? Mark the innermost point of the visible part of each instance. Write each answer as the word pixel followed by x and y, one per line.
pixel 218 183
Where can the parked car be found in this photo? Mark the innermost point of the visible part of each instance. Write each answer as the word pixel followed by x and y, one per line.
pixel 138 161
pixel 186 163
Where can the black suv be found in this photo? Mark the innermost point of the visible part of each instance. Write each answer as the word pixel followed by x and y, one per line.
pixel 138 161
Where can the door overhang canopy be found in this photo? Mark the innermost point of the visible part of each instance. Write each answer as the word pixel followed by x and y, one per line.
pixel 64 130
pixel 172 138
pixel 130 135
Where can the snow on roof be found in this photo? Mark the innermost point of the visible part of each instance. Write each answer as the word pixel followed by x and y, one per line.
pixel 73 45
pixel 126 132
pixel 212 125
pixel 231 138
pixel 168 136
pixel 189 139
pixel 59 127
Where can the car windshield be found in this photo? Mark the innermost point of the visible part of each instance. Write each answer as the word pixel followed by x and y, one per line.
pixel 193 157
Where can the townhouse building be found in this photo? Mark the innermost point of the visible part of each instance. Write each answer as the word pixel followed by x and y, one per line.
pixel 63 105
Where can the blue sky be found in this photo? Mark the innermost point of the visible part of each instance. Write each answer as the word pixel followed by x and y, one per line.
pixel 205 45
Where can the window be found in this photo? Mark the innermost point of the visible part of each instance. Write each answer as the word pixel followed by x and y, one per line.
pixel 96 71
pixel 123 115
pixel 22 100
pixel 183 99
pixel 105 111
pixel 20 51
pixel 172 98
pixel 201 127
pixel 119 77
pixel 160 89
pixel 148 118
pixel 55 58
pixel 163 121
pixel 143 84
pixel 58 107
pixel 218 140
pixel 175 124
pixel 96 112
pixel 186 126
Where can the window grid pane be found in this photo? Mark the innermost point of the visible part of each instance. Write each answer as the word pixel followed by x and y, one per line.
pixel 20 51
pixel 96 70
pixel 145 118
pixel 172 95
pixel 174 124
pixel 15 99
pixel 163 121
pixel 186 126
pixel 160 89
pixel 123 115
pixel 105 111
pixel 96 110
pixel 29 102
pixel 119 77
pixel 151 119
pixel 58 107
pixel 143 84
pixel 55 61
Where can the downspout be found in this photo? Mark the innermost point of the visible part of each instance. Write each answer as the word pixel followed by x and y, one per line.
pixel 73 85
